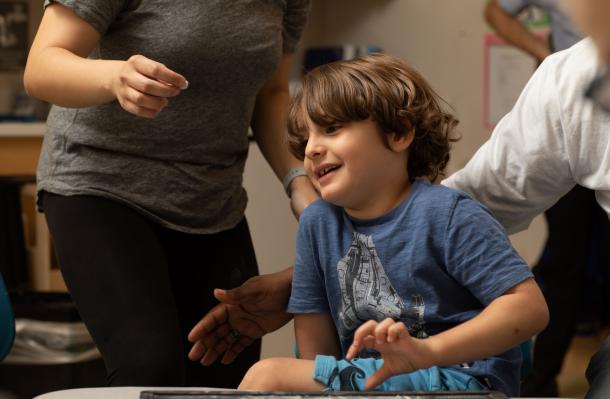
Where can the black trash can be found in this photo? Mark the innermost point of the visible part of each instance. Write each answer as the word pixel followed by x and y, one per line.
pixel 52 349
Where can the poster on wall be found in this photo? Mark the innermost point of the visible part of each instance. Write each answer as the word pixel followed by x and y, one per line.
pixel 13 35
pixel 507 69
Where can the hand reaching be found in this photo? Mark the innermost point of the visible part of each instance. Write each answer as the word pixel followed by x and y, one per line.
pixel 245 314
pixel 143 86
pixel 401 353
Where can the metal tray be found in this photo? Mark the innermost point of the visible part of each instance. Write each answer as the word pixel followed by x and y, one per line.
pixel 151 394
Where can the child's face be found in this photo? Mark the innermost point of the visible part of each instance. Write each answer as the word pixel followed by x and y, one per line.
pixel 352 167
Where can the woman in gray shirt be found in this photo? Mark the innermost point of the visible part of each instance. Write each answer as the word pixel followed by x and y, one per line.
pixel 140 175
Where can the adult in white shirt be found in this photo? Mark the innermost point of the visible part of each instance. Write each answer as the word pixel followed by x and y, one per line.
pixel 577 226
pixel 553 139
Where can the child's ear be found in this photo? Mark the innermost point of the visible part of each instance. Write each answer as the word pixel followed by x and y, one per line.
pixel 399 143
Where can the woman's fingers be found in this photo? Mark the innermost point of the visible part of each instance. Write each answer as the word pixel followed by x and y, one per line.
pixel 216 344
pixel 216 317
pixel 144 85
pixel 152 87
pixel 138 110
pixel 236 348
pixel 157 71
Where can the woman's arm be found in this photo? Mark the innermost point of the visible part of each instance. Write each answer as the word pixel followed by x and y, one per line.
pixel 269 129
pixel 511 30
pixel 316 335
pixel 58 70
pixel 512 318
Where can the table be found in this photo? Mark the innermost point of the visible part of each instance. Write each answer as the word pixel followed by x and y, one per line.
pixel 19 147
pixel 119 392
pixel 110 392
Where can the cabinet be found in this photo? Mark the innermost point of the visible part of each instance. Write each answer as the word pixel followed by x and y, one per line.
pixel 19 149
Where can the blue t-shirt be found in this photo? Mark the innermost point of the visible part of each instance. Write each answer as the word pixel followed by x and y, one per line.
pixel 433 262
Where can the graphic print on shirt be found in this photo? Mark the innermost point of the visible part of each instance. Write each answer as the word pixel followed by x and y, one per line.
pixel 367 293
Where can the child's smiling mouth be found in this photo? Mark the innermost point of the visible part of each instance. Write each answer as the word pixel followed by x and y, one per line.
pixel 325 171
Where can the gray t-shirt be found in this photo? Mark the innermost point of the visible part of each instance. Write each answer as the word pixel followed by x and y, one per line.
pixel 563 32
pixel 184 168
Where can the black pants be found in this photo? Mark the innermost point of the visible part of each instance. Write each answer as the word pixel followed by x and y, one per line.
pixel 573 224
pixel 140 288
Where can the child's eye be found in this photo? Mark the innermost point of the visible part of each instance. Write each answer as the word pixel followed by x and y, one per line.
pixel 332 128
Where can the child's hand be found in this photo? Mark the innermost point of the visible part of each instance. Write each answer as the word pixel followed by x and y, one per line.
pixel 401 353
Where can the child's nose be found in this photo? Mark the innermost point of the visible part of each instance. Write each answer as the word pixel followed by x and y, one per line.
pixel 312 152
pixel 313 149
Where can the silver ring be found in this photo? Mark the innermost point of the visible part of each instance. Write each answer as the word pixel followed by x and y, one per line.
pixel 234 335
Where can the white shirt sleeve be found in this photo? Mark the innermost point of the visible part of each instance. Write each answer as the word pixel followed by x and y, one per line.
pixel 552 139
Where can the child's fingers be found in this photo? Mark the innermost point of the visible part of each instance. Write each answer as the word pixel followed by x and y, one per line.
pixel 396 331
pixel 364 330
pixel 359 344
pixel 377 378
pixel 381 331
pixel 353 350
pixel 359 335
pixel 370 342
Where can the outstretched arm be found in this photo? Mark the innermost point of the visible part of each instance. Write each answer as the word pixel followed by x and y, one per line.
pixel 507 321
pixel 253 309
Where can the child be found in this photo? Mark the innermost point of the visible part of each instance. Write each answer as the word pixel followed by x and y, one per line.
pixel 416 273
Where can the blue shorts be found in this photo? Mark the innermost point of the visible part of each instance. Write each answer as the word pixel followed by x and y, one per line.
pixel 343 375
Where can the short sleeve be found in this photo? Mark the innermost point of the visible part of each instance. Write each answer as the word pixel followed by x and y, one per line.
pixel 100 14
pixel 294 23
pixel 308 293
pixel 478 253
pixel 513 7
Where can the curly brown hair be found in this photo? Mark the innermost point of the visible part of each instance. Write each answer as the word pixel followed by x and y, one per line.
pixel 385 89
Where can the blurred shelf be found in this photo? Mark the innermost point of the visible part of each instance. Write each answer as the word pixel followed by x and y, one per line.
pixel 22 129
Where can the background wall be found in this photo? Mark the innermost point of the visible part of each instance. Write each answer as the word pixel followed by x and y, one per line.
pixel 11 82
pixel 443 39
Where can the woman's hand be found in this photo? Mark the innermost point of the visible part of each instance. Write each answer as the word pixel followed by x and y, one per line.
pixel 59 71
pixel 245 314
pixel 142 86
